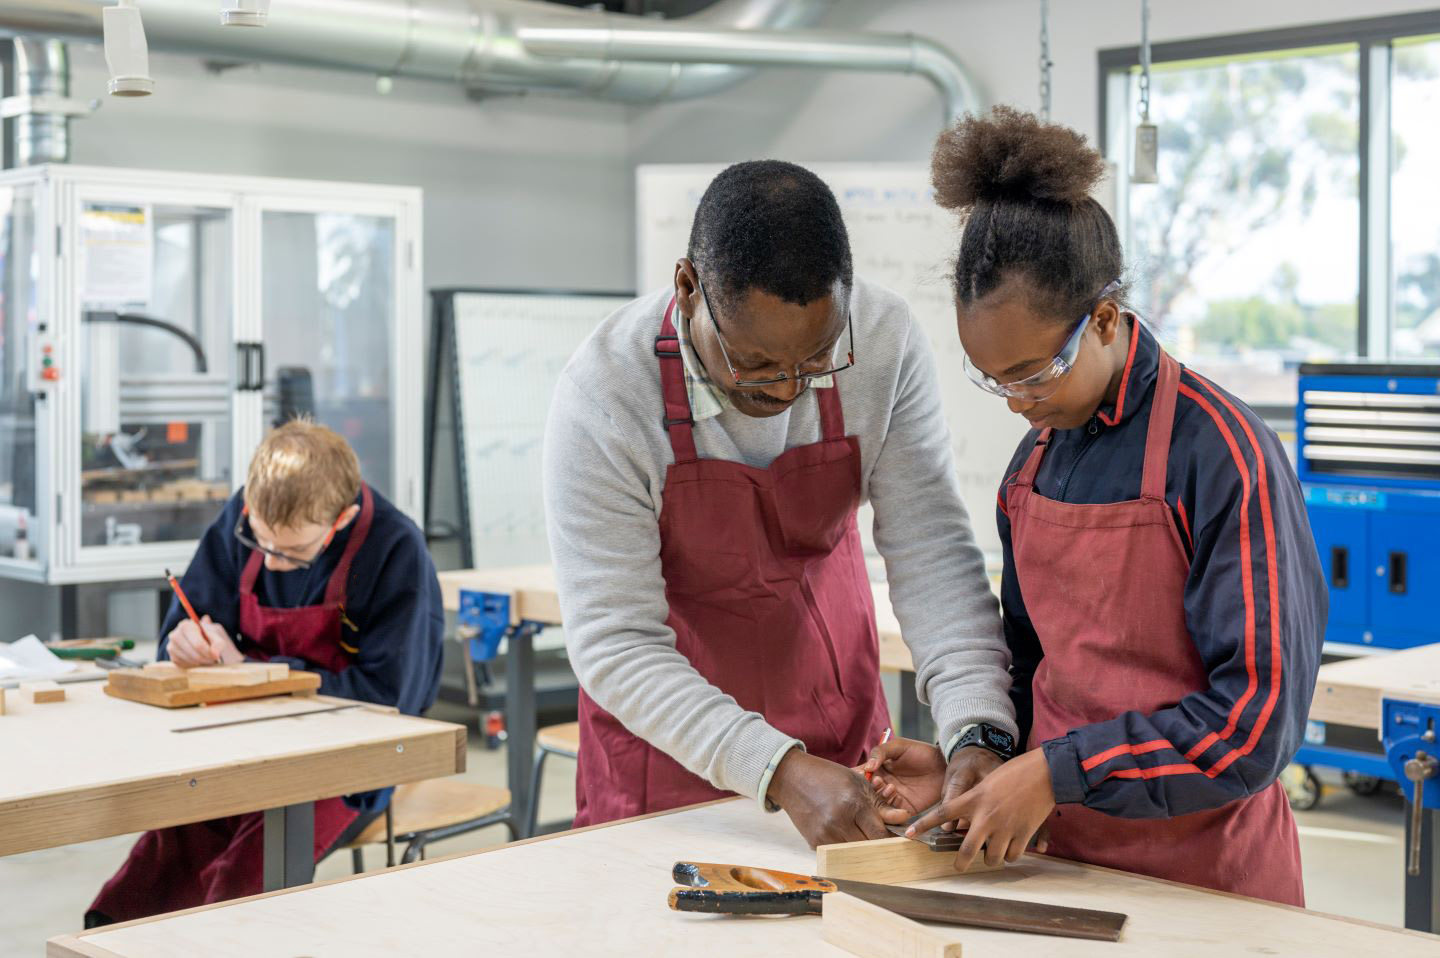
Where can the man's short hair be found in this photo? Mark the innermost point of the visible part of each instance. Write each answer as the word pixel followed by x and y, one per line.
pixel 303 472
pixel 771 226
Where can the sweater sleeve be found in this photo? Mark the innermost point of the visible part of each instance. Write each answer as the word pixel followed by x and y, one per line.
pixel 1255 607
pixel 947 612
pixel 605 545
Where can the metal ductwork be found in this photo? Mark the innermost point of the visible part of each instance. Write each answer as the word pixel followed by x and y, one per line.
pixel 519 45
pixel 39 107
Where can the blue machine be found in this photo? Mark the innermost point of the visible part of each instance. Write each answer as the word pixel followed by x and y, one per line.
pixel 1368 458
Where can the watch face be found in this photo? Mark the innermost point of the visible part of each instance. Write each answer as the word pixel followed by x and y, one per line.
pixel 1001 740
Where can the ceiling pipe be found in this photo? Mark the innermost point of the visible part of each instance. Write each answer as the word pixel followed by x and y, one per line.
pixel 823 49
pixel 473 42
pixel 39 107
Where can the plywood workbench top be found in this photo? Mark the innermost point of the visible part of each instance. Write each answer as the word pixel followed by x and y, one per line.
pixel 94 765
pixel 1349 692
pixel 603 892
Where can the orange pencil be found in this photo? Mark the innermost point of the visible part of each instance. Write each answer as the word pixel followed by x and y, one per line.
pixel 869 776
pixel 189 609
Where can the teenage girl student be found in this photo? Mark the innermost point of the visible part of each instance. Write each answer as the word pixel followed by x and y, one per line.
pixel 1162 596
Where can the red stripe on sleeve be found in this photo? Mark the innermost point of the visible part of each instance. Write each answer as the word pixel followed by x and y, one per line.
pixel 1277 655
pixel 1185 523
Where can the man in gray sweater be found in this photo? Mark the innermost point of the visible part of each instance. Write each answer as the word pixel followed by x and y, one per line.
pixel 706 451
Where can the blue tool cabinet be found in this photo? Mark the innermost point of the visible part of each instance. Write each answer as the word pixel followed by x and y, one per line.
pixel 1368 458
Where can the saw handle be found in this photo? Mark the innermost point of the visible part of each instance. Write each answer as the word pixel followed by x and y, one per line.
pixel 744 890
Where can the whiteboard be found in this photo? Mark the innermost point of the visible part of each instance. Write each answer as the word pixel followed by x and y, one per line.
pixel 900 239
pixel 509 350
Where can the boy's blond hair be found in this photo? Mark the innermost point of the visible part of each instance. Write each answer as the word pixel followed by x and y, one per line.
pixel 302 472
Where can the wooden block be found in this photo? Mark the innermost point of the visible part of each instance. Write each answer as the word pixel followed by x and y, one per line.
pixel 873 932
pixel 144 683
pixel 163 669
pixel 42 692
pixel 273 671
pixel 225 675
pixel 888 861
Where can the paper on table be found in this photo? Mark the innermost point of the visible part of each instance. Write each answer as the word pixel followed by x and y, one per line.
pixel 29 659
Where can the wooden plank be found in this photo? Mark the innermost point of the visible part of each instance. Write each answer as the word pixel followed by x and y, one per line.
pixel 43 692
pixel 163 670
pixel 887 861
pixel 138 774
pixel 165 693
pixel 873 932
pixel 1349 692
pixel 2 701
pixel 614 880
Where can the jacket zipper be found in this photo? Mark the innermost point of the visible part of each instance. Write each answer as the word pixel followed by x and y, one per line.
pixel 1092 430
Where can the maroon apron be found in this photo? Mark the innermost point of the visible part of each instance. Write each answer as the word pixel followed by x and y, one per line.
pixel 1121 645
pixel 769 601
pixel 205 862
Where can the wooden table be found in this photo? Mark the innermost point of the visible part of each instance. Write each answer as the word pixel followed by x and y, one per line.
pixel 1349 692
pixel 94 766
pixel 602 891
pixel 535 604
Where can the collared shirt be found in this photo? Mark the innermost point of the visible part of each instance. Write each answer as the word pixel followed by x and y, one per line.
pixel 708 400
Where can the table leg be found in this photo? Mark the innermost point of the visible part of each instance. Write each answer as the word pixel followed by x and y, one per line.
pixel 1422 894
pixel 915 721
pixel 289 846
pixel 520 721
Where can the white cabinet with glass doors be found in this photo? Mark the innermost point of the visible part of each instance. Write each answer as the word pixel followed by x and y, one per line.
pixel 154 325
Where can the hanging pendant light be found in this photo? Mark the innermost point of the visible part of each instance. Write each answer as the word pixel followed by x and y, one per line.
pixel 1146 168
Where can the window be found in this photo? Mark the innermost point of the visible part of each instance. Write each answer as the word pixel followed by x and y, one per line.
pixel 1415 198
pixel 1292 218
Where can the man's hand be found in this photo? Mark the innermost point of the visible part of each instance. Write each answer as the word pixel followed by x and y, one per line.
pixel 908 775
pixel 189 646
pixel 1000 814
pixel 828 803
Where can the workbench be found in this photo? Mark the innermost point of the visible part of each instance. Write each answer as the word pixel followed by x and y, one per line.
pixel 93 766
pixel 602 891
pixel 1349 693
pixel 535 605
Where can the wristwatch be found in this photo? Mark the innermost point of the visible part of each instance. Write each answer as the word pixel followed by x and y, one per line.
pixel 996 740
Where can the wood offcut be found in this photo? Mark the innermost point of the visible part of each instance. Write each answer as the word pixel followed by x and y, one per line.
pixel 888 861
pixel 873 932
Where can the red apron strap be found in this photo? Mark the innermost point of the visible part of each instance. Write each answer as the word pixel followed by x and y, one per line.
pixel 1162 424
pixel 251 571
pixel 335 588
pixel 832 414
pixel 1026 476
pixel 678 421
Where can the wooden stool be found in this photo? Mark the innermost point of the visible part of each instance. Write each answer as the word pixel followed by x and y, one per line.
pixel 552 740
pixel 423 812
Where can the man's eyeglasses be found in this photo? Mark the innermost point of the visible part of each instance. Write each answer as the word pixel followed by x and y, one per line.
pixel 247 540
pixel 826 364
pixel 1046 382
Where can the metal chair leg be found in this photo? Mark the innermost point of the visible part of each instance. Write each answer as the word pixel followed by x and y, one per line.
pixel 357 860
pixel 390 833
pixel 532 814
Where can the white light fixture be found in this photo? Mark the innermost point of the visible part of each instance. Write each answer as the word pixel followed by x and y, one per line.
pixel 244 13
pixel 126 52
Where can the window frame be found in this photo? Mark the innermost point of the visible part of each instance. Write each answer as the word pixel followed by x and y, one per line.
pixel 1375 38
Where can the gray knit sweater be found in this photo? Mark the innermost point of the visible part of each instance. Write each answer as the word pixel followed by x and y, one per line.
pixel 605 459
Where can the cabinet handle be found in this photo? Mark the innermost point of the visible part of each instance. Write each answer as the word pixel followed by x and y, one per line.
pixel 1340 567
pixel 1399 562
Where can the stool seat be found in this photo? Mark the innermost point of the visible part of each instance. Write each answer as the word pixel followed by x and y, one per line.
pixel 434 803
pixel 564 739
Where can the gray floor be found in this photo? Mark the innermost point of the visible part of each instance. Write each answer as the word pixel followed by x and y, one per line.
pixel 1351 846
